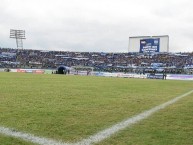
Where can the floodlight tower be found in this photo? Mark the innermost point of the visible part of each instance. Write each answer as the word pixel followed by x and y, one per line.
pixel 18 35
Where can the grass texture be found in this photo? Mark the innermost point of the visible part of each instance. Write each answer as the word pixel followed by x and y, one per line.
pixel 71 108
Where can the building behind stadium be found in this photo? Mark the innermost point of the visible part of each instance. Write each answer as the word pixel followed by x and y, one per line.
pixel 149 44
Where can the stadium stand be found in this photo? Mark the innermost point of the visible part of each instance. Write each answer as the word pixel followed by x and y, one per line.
pixel 173 63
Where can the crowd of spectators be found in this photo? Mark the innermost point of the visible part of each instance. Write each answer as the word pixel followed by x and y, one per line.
pixel 100 61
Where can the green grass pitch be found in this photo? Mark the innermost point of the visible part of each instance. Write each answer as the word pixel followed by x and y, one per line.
pixel 71 108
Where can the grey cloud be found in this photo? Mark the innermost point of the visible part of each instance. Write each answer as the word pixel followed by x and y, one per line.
pixel 105 28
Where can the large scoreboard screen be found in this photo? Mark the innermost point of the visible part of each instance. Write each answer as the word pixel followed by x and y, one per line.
pixel 149 45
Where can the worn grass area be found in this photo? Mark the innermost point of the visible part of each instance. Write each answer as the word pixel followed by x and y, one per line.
pixel 71 108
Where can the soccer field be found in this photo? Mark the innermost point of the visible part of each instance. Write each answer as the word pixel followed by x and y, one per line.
pixel 69 108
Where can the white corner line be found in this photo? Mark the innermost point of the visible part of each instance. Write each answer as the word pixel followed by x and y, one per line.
pixel 29 137
pixel 96 137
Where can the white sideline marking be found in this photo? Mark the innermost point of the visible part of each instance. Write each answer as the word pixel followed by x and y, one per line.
pixel 98 136
pixel 29 137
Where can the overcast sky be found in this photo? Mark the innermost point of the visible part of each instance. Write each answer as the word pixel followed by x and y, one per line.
pixel 96 25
